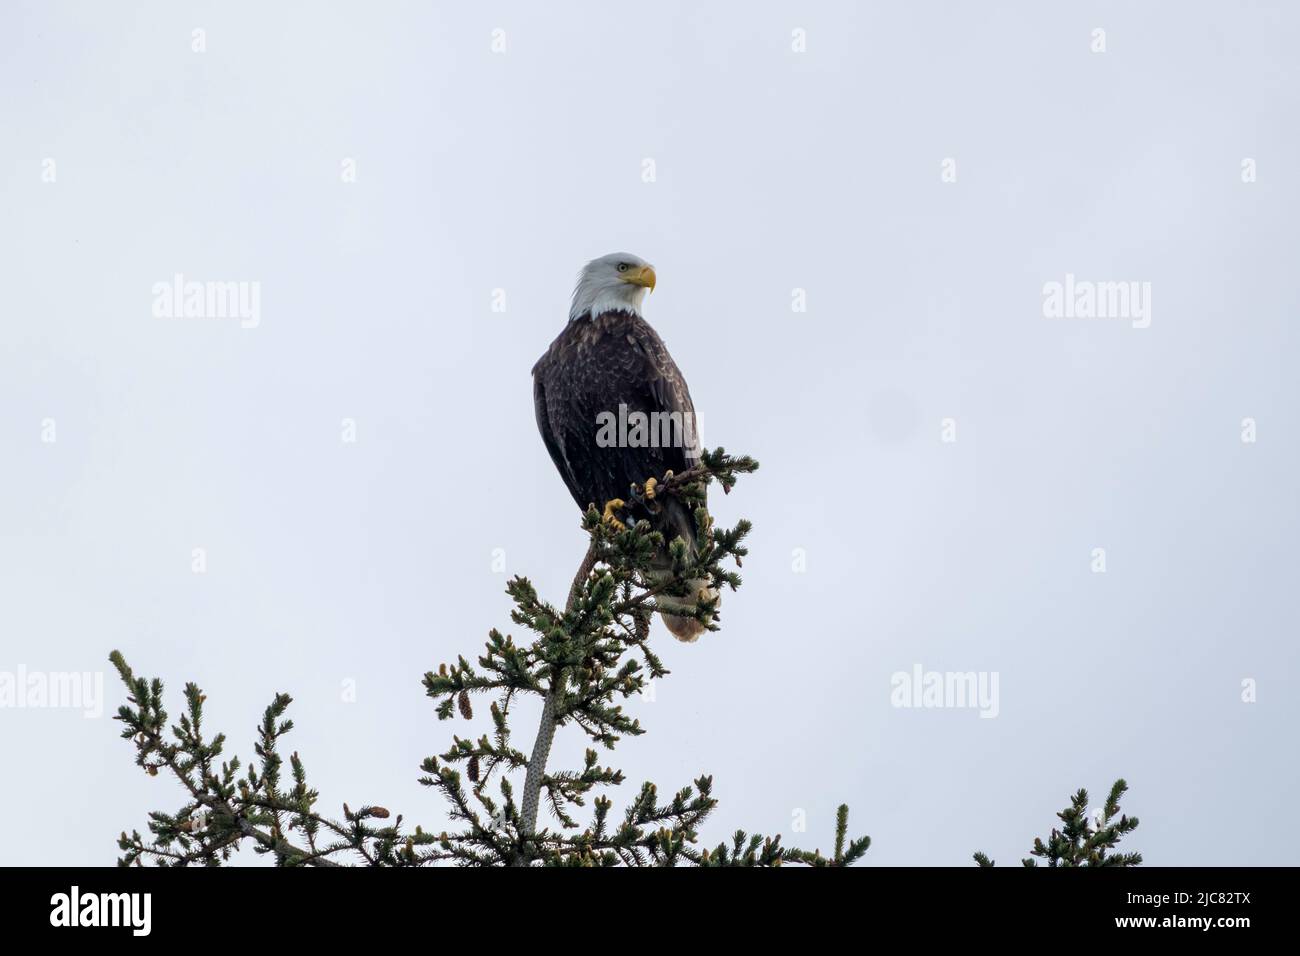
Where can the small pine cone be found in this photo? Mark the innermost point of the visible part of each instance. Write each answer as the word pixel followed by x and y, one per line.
pixel 466 710
pixel 472 770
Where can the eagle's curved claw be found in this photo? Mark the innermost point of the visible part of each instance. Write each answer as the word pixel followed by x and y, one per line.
pixel 649 488
pixel 609 517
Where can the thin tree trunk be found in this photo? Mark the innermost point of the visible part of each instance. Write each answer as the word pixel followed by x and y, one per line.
pixel 546 726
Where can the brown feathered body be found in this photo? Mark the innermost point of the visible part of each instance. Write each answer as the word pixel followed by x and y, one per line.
pixel 613 365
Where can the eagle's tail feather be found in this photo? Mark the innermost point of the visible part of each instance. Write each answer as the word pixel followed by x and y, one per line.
pixel 674 521
pixel 687 629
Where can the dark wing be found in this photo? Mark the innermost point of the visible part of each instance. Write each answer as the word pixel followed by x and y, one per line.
pixel 548 433
pixel 657 386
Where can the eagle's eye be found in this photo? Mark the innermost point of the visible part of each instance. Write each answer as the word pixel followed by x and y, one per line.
pixel 622 267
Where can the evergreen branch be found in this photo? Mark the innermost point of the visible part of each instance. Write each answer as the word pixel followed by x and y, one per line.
pixel 224 810
pixel 1078 842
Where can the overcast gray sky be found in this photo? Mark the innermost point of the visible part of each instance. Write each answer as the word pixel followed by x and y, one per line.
pixel 379 171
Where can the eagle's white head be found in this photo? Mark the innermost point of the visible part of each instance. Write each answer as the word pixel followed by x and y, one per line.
pixel 617 281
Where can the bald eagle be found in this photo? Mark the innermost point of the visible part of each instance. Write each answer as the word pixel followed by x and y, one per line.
pixel 614 410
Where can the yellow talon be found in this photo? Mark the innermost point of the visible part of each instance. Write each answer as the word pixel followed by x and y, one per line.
pixel 608 517
pixel 650 485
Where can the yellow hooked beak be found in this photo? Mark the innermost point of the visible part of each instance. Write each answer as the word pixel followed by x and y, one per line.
pixel 643 276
